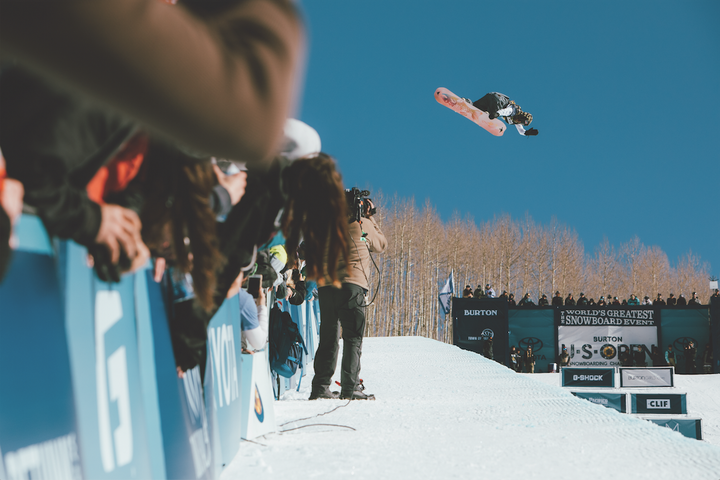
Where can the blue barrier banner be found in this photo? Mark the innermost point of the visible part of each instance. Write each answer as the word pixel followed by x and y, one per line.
pixel 38 425
pixel 680 326
pixel 222 382
pixel 475 321
pixel 181 405
pixel 105 363
pixel 616 401
pixel 258 409
pixel 658 403
pixel 689 427
pixel 588 377
pixel 534 327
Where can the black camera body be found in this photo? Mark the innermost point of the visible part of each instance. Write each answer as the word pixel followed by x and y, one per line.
pixel 357 204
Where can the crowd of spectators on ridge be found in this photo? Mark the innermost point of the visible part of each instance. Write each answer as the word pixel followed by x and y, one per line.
pixel 583 301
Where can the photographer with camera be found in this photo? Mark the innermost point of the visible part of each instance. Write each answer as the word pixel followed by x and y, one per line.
pixel 345 306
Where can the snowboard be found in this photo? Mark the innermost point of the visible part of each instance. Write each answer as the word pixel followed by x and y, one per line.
pixel 456 104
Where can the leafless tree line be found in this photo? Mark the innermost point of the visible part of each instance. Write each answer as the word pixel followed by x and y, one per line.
pixel 518 256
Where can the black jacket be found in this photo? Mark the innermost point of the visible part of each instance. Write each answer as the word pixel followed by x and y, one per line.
pixel 54 142
pixel 492 102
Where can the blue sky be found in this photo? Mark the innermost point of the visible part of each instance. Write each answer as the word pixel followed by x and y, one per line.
pixel 625 95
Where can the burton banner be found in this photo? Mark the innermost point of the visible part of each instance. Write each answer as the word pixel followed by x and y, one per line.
pixel 607 336
pixel 476 320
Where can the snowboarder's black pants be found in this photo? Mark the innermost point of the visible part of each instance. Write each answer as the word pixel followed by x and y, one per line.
pixel 340 307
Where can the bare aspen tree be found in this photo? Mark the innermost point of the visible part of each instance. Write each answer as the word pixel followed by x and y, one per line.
pixel 691 276
pixel 654 272
pixel 509 241
pixel 604 270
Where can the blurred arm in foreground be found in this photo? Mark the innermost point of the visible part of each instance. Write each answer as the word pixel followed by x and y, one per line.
pixel 217 76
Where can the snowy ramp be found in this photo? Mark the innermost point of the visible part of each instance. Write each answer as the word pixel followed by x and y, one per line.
pixel 442 412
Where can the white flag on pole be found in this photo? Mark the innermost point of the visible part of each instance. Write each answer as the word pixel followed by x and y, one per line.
pixel 446 293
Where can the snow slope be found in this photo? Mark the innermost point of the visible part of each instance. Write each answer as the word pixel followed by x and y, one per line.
pixel 442 412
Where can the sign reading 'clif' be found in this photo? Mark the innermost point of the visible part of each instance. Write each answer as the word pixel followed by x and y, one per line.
pixel 655 403
pixel 588 377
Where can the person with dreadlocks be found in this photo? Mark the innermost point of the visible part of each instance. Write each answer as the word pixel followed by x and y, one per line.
pixel 344 307
pixel 499 105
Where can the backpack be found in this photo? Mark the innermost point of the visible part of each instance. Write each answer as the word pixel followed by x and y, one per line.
pixel 286 344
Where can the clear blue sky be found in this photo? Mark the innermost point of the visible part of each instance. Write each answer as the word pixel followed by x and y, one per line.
pixel 625 95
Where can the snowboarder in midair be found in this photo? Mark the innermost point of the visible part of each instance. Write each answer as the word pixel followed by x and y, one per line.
pixel 499 105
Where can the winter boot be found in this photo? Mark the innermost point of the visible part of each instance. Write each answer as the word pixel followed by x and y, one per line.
pixel 323 393
pixel 357 395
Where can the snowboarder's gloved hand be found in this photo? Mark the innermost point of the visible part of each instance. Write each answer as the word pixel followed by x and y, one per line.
pixel 531 131
pixel 493 115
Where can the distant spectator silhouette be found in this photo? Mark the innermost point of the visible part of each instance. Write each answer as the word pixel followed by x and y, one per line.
pixel 694 300
pixel 582 300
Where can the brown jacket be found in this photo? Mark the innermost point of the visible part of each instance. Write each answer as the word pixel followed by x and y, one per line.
pixel 216 76
pixel 359 261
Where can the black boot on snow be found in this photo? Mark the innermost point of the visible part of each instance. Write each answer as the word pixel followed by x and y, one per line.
pixel 323 392
pixel 357 395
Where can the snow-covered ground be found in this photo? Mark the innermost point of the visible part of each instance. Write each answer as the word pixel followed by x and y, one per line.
pixel 442 412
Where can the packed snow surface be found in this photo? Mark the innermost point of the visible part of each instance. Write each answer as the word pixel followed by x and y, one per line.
pixel 442 412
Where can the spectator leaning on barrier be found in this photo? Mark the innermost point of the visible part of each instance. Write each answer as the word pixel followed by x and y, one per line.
pixel 569 300
pixel 647 301
pixel 489 291
pixel 253 319
pixel 601 301
pixel 479 292
pixel 11 204
pixel 344 307
pixel 467 292
pixel 659 299
pixel 511 300
pixel 633 300
pixel 557 300
pixel 543 301
pixel 671 301
pixel 681 301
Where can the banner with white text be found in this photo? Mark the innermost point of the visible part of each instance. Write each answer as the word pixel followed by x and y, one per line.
pixel 477 324
pixel 608 337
